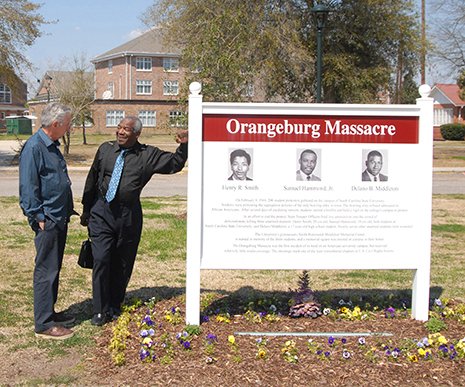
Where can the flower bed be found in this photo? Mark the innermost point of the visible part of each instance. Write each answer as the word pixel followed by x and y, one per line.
pixel 345 343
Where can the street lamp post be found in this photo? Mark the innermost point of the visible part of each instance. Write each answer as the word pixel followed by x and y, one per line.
pixel 47 86
pixel 320 14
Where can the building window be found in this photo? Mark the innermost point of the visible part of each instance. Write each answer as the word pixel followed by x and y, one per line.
pixel 176 118
pixel 144 64
pixel 3 115
pixel 443 116
pixel 194 68
pixel 144 87
pixel 111 89
pixel 114 117
pixel 148 117
pixel 110 67
pixel 248 90
pixel 171 65
pixel 170 88
pixel 5 94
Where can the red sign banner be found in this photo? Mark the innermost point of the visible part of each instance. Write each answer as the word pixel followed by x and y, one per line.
pixel 332 129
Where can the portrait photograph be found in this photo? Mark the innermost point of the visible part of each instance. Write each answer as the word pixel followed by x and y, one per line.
pixel 308 164
pixel 240 164
pixel 374 165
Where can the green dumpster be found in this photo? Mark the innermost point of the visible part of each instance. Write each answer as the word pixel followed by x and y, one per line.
pixel 18 125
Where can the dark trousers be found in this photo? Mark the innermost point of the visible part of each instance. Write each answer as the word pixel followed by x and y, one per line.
pixel 50 246
pixel 115 230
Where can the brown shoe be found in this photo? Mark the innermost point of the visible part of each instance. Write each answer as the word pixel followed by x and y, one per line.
pixel 61 318
pixel 56 332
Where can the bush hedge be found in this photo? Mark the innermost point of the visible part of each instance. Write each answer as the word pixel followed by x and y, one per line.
pixel 454 132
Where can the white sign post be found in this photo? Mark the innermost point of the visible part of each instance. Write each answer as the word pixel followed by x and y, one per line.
pixel 309 186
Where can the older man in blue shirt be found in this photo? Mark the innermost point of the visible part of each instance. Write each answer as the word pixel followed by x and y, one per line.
pixel 46 199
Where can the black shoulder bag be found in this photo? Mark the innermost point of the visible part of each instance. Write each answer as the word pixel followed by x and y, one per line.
pixel 86 259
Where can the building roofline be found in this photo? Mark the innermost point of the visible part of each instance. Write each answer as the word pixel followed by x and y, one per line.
pixel 132 53
pixel 437 87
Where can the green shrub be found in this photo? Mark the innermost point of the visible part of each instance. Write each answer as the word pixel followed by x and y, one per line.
pixel 434 324
pixel 454 132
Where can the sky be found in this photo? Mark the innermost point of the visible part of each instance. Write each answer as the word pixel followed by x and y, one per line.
pixel 93 27
pixel 90 27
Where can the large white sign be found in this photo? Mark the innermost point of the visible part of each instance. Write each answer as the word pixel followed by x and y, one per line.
pixel 309 186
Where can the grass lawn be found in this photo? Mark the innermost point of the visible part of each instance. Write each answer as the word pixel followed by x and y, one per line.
pixel 160 272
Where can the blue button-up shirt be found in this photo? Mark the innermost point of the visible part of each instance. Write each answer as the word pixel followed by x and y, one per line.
pixel 44 184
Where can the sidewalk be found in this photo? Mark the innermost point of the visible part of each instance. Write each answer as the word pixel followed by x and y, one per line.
pixel 8 153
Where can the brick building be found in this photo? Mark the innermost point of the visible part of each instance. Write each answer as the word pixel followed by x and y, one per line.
pixel 448 106
pixel 12 101
pixel 139 78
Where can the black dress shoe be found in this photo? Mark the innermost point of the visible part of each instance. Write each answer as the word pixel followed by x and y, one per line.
pixel 115 313
pixel 61 318
pixel 100 319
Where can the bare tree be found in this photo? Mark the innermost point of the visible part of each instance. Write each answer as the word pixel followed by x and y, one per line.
pixel 447 30
pixel 76 89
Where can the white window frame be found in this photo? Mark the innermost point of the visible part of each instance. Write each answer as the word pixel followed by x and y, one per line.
pixel 443 116
pixel 5 94
pixel 143 63
pixel 148 118
pixel 194 69
pixel 174 114
pixel 171 65
pixel 170 87
pixel 114 117
pixel 111 89
pixel 110 67
pixel 144 87
pixel 248 90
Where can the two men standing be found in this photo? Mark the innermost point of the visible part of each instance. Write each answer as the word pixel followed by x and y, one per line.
pixel 112 211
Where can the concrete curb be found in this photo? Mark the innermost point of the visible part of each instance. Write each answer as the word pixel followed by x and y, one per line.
pixel 86 169
pixel 15 168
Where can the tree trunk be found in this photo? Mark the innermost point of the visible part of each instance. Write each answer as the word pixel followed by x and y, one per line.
pixel 66 141
pixel 84 140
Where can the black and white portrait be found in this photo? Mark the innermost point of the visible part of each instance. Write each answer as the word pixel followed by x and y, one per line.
pixel 308 163
pixel 375 161
pixel 240 164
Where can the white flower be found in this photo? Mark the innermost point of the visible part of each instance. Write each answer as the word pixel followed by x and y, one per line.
pixel 326 311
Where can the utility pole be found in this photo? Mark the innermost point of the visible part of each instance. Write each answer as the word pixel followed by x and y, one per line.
pixel 423 39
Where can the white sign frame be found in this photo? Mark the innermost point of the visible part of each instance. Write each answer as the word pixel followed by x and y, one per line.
pixel 199 181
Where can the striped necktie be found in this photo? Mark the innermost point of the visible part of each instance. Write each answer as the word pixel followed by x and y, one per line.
pixel 115 176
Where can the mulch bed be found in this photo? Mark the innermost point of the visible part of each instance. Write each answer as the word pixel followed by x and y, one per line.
pixel 238 365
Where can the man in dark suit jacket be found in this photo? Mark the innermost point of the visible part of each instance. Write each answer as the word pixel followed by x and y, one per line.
pixel 374 164
pixel 307 161
pixel 240 163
